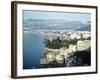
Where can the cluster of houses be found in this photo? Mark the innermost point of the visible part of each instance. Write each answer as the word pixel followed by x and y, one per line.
pixel 50 35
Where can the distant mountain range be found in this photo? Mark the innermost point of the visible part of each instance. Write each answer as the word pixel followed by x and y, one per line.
pixel 45 24
pixel 86 28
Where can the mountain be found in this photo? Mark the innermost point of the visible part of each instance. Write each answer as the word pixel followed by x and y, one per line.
pixel 52 24
pixel 85 28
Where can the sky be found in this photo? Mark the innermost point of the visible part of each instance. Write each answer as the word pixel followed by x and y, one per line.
pixel 69 16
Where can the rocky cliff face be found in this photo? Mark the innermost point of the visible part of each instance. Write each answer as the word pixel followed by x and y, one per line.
pixel 64 53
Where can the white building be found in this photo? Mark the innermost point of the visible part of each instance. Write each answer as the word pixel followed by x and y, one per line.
pixel 72 48
pixel 59 58
pixel 83 45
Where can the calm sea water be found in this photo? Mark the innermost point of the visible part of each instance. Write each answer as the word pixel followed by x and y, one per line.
pixel 32 50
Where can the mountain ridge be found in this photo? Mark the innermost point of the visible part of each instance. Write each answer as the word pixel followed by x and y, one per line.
pixel 53 24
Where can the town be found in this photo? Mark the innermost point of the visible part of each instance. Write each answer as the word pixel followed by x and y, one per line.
pixel 66 48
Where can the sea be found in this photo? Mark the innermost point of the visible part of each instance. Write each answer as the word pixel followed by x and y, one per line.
pixel 33 44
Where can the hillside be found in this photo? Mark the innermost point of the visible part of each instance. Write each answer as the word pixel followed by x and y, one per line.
pixel 45 24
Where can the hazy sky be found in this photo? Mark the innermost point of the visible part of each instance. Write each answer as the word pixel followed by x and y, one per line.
pixel 69 16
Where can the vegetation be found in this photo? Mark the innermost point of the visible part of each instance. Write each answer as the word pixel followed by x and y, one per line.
pixel 54 44
pixel 89 38
pixel 57 43
pixel 85 56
